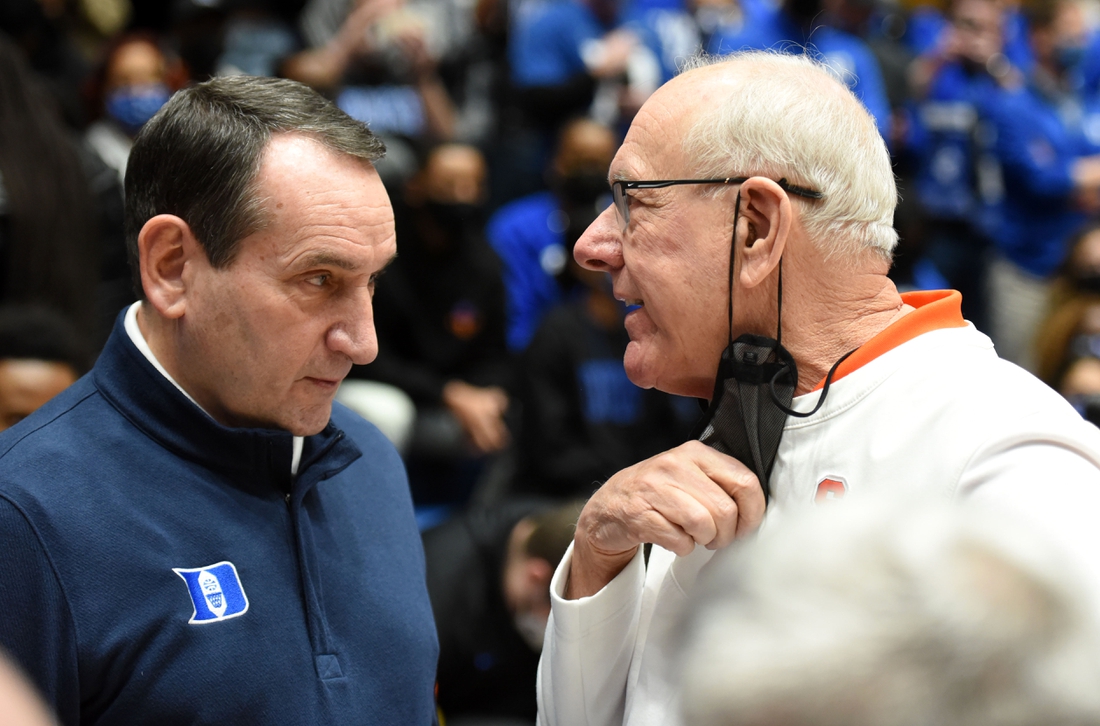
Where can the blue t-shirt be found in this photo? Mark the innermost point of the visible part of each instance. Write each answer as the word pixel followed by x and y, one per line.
pixel 1036 140
pixel 529 237
pixel 957 179
pixel 544 48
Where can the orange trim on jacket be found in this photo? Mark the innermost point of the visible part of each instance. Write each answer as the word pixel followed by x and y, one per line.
pixel 935 310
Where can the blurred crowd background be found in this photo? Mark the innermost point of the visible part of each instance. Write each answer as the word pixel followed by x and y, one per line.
pixel 500 376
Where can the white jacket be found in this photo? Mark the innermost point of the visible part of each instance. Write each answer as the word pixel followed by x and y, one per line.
pixel 937 413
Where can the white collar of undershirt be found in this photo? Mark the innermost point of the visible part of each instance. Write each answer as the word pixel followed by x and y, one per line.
pixel 134 331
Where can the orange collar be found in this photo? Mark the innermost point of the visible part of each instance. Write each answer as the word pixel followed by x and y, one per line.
pixel 935 310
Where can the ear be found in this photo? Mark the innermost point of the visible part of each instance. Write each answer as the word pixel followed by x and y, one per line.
pixel 167 251
pixel 763 226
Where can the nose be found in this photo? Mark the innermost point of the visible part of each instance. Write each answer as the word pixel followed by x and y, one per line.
pixel 600 248
pixel 354 335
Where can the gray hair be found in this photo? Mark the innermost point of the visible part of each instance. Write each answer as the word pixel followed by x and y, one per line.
pixel 198 157
pixel 791 118
pixel 892 613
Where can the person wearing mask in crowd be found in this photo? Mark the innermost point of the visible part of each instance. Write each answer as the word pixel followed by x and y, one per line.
pixel 440 325
pixel 583 420
pixel 1051 176
pixel 892 610
pixel 807 26
pixel 752 232
pixel 1067 345
pixel 1072 290
pixel 958 181
pixel 489 579
pixel 40 356
pixel 135 79
pixel 197 505
pixel 529 233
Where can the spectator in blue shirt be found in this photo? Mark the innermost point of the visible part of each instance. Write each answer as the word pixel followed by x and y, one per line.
pixel 1051 176
pixel 958 183
pixel 529 234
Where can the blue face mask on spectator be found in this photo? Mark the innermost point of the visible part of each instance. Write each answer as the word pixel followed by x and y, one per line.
pixel 1069 56
pixel 132 106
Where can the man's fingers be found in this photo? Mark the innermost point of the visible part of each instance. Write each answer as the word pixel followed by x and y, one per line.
pixel 687 514
pixel 649 526
pixel 738 483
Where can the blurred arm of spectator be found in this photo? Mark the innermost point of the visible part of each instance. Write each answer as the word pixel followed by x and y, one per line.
pixel 323 67
pixel 439 312
pixel 608 57
pixel 925 67
pixel 1043 167
pixel 439 109
pixel 481 413
pixel 559 53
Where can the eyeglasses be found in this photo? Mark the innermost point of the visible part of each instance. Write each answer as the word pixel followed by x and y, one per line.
pixel 622 200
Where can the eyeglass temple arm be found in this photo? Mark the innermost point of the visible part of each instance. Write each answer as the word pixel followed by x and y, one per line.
pixel 783 184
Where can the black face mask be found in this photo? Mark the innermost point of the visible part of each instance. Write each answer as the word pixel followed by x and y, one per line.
pixel 753 391
pixel 1087 282
pixel 454 217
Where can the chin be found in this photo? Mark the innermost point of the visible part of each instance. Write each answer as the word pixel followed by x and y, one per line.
pixel 310 421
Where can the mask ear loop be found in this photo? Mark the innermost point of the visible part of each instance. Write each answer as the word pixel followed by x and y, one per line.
pixel 821 398
pixel 786 369
pixel 733 252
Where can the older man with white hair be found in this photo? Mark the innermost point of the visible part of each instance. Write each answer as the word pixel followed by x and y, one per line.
pixel 752 232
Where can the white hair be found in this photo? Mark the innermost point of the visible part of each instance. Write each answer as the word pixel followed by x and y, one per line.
pixel 791 118
pixel 892 613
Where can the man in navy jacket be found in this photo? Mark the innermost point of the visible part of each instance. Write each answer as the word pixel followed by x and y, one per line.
pixel 193 533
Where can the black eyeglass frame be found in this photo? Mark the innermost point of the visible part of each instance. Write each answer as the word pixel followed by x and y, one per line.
pixel 620 188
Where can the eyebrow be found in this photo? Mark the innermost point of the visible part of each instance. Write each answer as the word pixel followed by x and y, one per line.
pixel 327 259
pixel 621 176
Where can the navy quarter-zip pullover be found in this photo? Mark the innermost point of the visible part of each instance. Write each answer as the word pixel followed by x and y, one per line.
pixel 158 567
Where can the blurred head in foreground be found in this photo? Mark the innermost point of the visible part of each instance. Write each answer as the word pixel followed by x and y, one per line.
pixel 890 613
pixel 19 704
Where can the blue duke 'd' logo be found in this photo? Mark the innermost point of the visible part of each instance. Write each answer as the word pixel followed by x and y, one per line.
pixel 215 591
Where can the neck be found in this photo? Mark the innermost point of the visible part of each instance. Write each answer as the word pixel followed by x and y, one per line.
pixel 161 339
pixel 824 320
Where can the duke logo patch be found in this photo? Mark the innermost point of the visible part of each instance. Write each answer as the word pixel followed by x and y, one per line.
pixel 216 592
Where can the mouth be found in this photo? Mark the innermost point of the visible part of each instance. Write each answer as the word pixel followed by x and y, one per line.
pixel 325 383
pixel 631 304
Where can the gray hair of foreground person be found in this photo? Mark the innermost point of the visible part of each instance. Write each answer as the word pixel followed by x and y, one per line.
pixel 790 118
pixel 888 613
pixel 198 157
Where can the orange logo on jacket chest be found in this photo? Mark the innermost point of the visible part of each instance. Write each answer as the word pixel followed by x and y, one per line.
pixel 829 488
